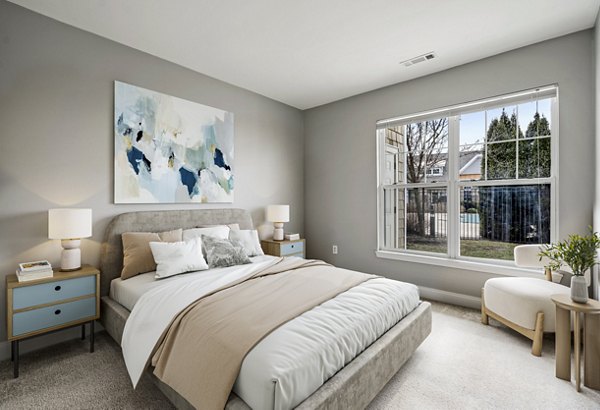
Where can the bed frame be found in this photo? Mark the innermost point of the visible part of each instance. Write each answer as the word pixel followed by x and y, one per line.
pixel 353 387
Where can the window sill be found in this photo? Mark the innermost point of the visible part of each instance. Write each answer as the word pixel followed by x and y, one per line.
pixel 505 270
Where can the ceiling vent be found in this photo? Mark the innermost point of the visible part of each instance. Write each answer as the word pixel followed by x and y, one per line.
pixel 418 59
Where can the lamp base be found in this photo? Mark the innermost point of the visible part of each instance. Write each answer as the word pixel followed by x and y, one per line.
pixel 278 232
pixel 70 258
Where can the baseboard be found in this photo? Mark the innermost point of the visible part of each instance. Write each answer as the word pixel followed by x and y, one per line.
pixel 450 297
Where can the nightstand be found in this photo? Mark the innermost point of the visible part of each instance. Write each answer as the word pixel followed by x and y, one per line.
pixel 47 305
pixel 591 340
pixel 283 248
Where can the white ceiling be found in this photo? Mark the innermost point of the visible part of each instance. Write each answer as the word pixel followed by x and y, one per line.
pixel 310 52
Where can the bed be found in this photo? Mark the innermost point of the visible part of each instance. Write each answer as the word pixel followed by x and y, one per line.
pixel 352 386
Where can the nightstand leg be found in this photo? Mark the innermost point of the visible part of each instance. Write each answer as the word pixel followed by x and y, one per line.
pixel 577 331
pixel 83 332
pixel 15 349
pixel 591 352
pixel 563 344
pixel 92 336
pixel 12 351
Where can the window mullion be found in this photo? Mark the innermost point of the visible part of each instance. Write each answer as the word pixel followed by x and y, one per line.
pixel 517 145
pixel 453 205
pixel 418 185
pixel 507 182
pixel 379 149
pixel 554 228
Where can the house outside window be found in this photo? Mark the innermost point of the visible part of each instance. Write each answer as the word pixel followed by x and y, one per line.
pixel 435 171
pixel 470 182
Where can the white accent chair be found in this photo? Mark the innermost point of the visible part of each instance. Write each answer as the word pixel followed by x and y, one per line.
pixel 523 303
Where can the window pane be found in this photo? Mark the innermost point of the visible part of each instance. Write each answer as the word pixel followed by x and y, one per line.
pixel 415 166
pixel 493 220
pixel 502 124
pixel 526 113
pixel 394 219
pixel 429 136
pixel 427 220
pixel 470 162
pixel 501 161
pixel 394 167
pixel 545 112
pixel 427 166
pixel 394 137
pixel 534 158
pixel 535 118
pixel 426 154
pixel 472 128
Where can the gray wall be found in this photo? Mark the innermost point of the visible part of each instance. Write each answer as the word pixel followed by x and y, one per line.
pixel 56 116
pixel 340 165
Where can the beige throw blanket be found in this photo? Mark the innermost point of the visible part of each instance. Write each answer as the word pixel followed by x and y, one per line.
pixel 202 352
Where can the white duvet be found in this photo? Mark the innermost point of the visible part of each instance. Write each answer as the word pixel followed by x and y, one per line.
pixel 294 360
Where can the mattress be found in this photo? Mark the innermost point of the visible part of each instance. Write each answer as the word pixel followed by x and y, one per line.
pixel 293 361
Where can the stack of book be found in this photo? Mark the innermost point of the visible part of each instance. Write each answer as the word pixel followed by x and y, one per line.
pixel 292 236
pixel 34 270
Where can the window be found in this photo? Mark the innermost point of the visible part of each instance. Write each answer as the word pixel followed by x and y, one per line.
pixel 435 171
pixel 470 181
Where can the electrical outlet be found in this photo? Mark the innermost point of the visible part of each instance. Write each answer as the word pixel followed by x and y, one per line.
pixel 334 249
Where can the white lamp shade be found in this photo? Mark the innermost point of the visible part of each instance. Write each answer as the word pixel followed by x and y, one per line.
pixel 69 223
pixel 278 213
pixel 529 256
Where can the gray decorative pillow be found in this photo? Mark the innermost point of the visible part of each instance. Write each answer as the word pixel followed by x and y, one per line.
pixel 221 253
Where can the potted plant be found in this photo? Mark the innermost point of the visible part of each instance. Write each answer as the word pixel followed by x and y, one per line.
pixel 580 253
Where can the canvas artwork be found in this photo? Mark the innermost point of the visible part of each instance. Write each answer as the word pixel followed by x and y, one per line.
pixel 170 150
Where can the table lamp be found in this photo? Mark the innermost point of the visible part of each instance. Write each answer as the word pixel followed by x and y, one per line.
pixel 70 225
pixel 278 214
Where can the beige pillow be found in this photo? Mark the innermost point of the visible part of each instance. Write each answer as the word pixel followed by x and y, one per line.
pixel 137 255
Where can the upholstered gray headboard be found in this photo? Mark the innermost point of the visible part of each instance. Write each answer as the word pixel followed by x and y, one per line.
pixel 111 256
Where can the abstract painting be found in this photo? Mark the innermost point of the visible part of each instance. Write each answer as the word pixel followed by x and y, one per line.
pixel 170 150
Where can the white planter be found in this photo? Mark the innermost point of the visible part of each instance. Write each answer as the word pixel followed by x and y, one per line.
pixel 579 290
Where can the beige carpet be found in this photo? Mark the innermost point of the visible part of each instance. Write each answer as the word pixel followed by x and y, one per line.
pixel 67 376
pixel 466 365
pixel 462 365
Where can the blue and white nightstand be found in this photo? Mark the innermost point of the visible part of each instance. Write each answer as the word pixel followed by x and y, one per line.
pixel 42 306
pixel 283 248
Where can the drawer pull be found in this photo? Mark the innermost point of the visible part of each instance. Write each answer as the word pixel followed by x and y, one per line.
pixel 57 312
pixel 57 288
pixel 292 246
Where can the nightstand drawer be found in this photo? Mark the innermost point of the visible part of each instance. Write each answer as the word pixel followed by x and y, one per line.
pixel 34 295
pixel 291 248
pixel 43 318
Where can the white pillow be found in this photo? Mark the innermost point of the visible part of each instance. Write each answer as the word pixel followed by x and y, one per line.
pixel 249 240
pixel 235 227
pixel 173 258
pixel 219 232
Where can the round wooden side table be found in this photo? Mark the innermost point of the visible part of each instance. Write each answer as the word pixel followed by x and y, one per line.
pixel 591 340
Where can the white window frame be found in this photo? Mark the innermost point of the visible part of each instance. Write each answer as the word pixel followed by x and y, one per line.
pixel 453 259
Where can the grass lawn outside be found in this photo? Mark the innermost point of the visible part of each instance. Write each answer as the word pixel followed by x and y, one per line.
pixel 473 248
